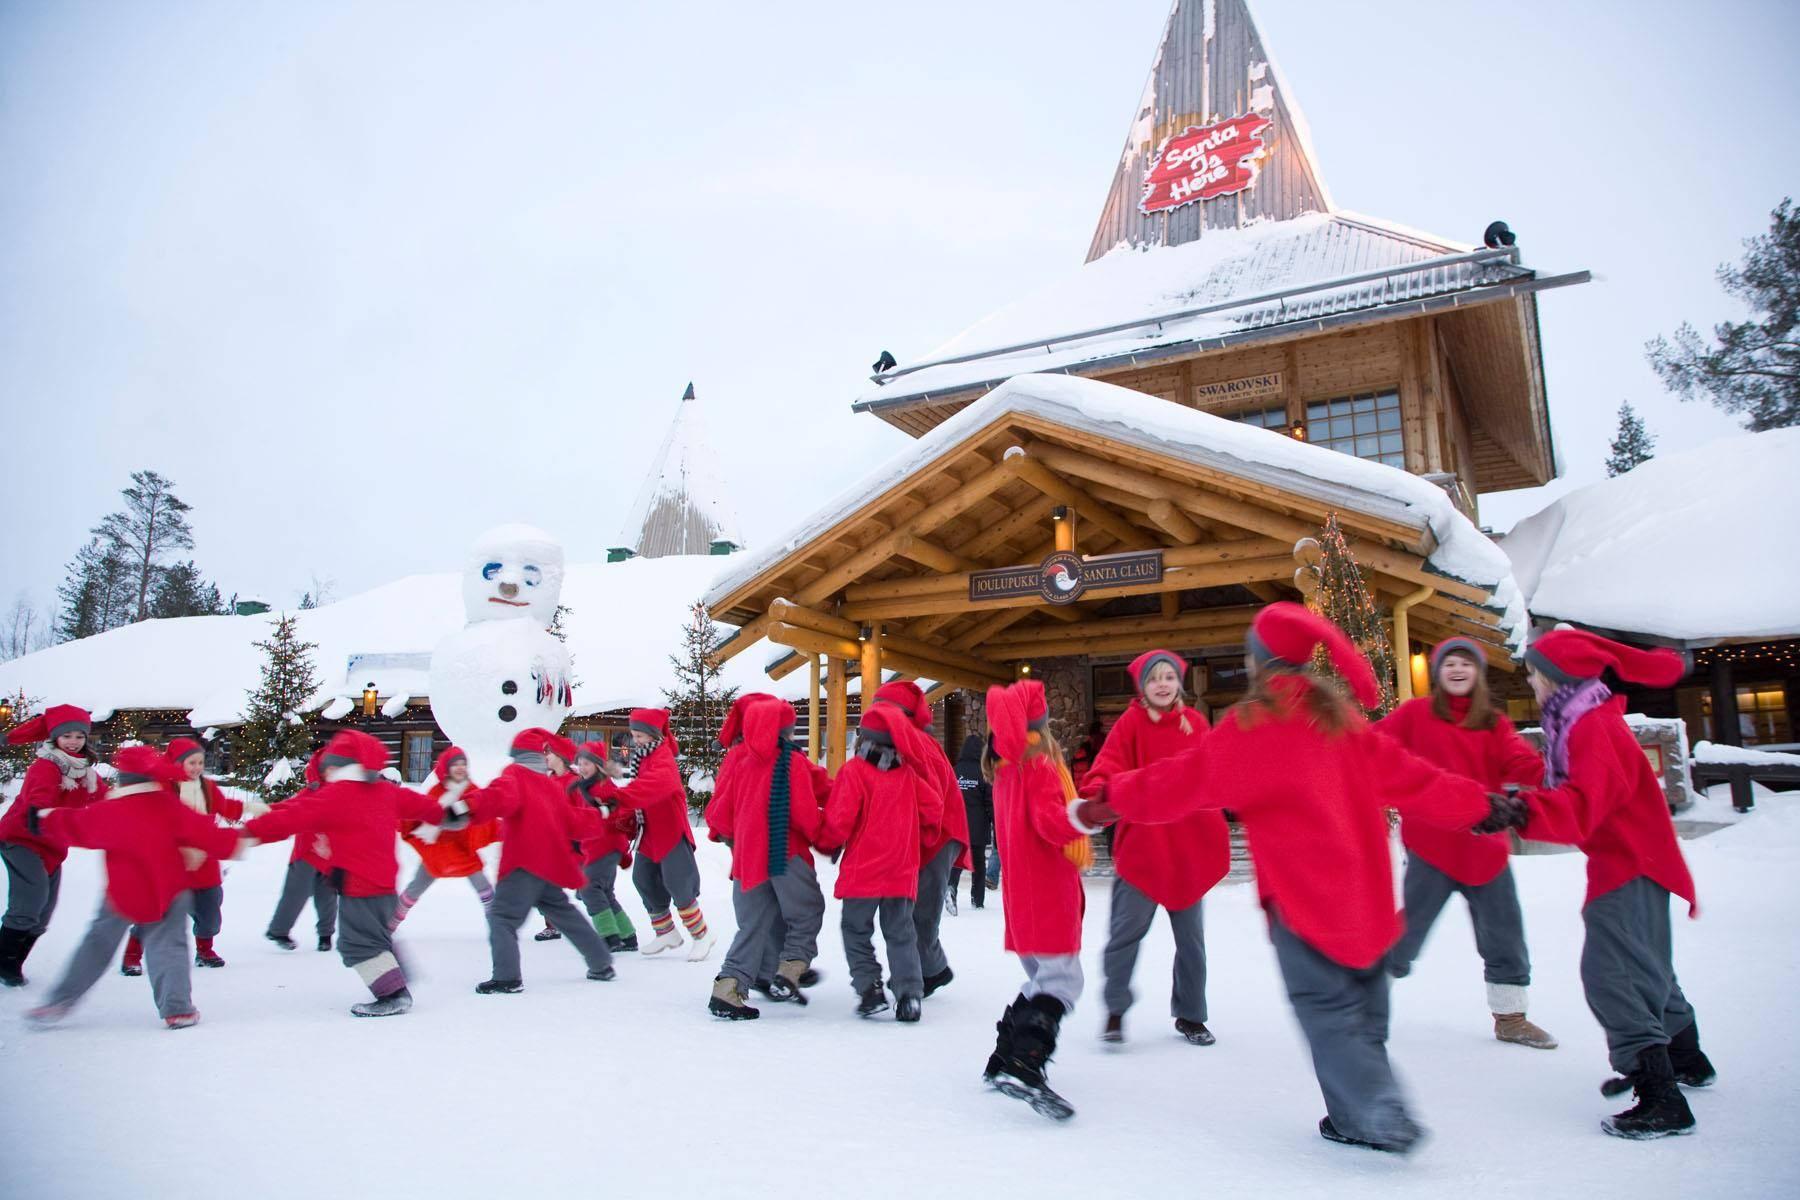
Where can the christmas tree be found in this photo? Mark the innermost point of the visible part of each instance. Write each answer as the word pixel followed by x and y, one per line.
pixel 14 760
pixel 271 747
pixel 1344 598
pixel 1631 445
pixel 697 703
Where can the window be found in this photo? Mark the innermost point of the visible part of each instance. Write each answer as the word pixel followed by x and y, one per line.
pixel 1264 418
pixel 1367 426
pixel 416 758
pixel 1762 715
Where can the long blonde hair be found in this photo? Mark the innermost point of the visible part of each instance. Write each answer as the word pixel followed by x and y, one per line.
pixel 1327 708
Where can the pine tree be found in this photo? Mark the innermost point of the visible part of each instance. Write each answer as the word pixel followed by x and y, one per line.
pixel 698 703
pixel 182 592
pixel 95 593
pixel 276 727
pixel 152 523
pixel 1752 367
pixel 15 760
pixel 1344 598
pixel 1631 445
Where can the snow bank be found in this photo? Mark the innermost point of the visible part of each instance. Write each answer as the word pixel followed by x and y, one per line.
pixel 1718 752
pixel 1690 546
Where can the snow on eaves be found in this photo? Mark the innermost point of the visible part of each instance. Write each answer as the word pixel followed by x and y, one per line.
pixel 624 622
pixel 1154 424
pixel 1695 547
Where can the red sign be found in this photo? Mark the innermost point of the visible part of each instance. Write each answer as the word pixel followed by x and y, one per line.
pixel 1203 161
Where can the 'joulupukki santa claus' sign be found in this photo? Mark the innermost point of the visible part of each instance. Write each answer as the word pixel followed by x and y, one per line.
pixel 1203 161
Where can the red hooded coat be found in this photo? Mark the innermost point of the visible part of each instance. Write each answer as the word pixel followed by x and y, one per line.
pixel 541 825
pixel 880 819
pixel 739 812
pixel 42 789
pixel 357 817
pixel 1040 887
pixel 658 794
pixel 141 828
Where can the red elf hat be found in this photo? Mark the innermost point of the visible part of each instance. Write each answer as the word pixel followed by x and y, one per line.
pixel 1290 632
pixel 1566 655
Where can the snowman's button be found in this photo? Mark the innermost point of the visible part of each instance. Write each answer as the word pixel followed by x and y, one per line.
pixel 509 688
pixel 508 713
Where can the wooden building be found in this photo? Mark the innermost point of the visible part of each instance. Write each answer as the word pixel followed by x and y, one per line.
pixel 1386 375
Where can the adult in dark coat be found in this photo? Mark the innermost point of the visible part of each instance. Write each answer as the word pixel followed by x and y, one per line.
pixel 978 799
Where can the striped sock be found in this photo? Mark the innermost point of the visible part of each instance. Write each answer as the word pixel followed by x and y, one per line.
pixel 695 922
pixel 662 923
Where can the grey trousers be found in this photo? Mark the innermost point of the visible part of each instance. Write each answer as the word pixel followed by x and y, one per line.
pixel 1057 975
pixel 366 943
pixel 1132 913
pixel 422 881
pixel 1628 971
pixel 31 890
pixel 901 936
pixel 675 880
pixel 165 956
pixel 928 910
pixel 303 880
pixel 514 897
pixel 599 894
pixel 1493 909
pixel 778 919
pixel 1344 1014
pixel 209 911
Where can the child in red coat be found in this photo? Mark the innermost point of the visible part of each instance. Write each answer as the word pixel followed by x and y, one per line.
pixel 767 809
pixel 1168 866
pixel 357 811
pixel 1045 849
pixel 208 881
pixel 1600 794
pixel 879 814
pixel 308 874
pixel 1311 782
pixel 604 853
pixel 1456 728
pixel 61 776
pixel 447 853
pixel 152 841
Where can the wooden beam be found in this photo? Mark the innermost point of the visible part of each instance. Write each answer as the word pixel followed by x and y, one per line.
pixel 1121 643
pixel 746 636
pixel 1062 491
pixel 811 641
pixel 871 660
pixel 815 701
pixel 1195 621
pixel 940 691
pixel 1030 515
pixel 1174 522
pixel 928 554
pixel 1171 604
pixel 837 714
pixel 894 644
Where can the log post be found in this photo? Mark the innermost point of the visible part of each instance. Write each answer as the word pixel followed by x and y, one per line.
pixel 1062 517
pixel 1403 642
pixel 837 702
pixel 814 700
pixel 871 659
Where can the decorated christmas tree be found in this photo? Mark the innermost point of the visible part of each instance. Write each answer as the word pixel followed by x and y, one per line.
pixel 270 748
pixel 1343 597
pixel 697 703
pixel 14 760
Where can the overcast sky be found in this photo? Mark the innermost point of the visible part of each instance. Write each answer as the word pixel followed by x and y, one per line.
pixel 365 279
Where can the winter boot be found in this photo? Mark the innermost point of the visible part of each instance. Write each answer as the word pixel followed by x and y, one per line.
pixel 46 1015
pixel 871 1002
pixel 1514 1028
pixel 506 987
pixel 1661 1110
pixel 604 974
pixel 1003 1043
pixel 185 1020
pixel 1195 1032
pixel 908 1009
pixel 401 908
pixel 15 944
pixel 614 944
pixel 390 1005
pixel 547 934
pixel 204 955
pixel 628 941
pixel 1031 1043
pixel 790 978
pixel 132 964
pixel 702 947
pixel 324 943
pixel 941 979
pixel 1692 1067
pixel 728 1001
pixel 282 940
pixel 950 901
pixel 1114 1033
pixel 663 941
pixel 1402 1143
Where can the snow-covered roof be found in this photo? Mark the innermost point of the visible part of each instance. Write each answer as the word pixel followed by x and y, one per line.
pixel 1138 301
pixel 681 507
pixel 1153 424
pixel 1697 547
pixel 624 620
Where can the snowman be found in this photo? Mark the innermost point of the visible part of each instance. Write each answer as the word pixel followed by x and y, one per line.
pixel 503 671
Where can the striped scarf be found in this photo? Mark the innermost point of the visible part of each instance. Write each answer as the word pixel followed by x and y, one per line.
pixel 778 808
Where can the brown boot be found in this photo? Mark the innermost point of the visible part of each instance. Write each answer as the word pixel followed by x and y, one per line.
pixel 790 977
pixel 728 1001
pixel 1513 1027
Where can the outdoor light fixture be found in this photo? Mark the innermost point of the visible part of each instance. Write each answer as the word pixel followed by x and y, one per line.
pixel 1060 513
pixel 6 710
pixel 1421 675
pixel 1024 670
pixel 1298 431
pixel 369 699
pixel 864 634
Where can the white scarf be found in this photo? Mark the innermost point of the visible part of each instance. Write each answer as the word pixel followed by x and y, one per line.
pixel 193 794
pixel 76 772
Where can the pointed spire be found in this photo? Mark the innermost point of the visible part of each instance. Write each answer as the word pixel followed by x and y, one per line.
pixel 681 507
pixel 1217 142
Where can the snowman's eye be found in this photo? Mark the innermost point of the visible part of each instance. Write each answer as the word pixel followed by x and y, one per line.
pixel 533 576
pixel 491 570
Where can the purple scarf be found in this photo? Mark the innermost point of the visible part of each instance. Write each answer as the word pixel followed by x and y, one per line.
pixel 1571 702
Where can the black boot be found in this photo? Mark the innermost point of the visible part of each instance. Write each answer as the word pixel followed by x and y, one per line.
pixel 324 942
pixel 907 1009
pixel 1661 1110
pixel 15 944
pixel 1692 1067
pixel 872 1002
pixel 281 939
pixel 934 982
pixel 1031 1043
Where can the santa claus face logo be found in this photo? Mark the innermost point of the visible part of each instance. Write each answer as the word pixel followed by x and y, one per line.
pixel 1062 578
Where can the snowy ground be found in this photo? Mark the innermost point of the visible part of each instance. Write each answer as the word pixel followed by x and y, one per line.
pixel 630 1088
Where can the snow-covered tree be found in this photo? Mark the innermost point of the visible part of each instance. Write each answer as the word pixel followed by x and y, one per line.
pixel 1751 367
pixel 273 743
pixel 698 702
pixel 1631 445
pixel 151 525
